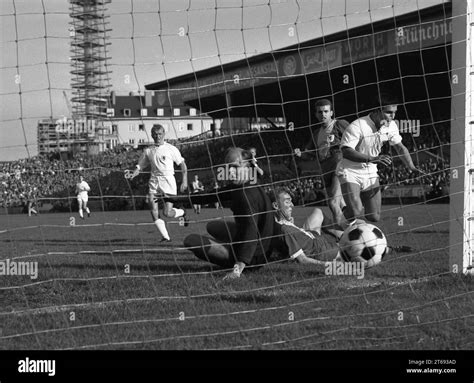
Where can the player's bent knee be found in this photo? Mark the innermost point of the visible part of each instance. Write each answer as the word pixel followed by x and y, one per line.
pixel 317 213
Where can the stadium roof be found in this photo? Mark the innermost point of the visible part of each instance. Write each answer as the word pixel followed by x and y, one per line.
pixel 268 80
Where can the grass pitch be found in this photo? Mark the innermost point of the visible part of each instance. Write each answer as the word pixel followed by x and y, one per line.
pixel 107 283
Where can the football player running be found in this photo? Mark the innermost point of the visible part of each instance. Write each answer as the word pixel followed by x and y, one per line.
pixel 161 158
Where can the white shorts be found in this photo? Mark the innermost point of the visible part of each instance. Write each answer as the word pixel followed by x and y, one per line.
pixel 163 185
pixel 366 178
pixel 82 198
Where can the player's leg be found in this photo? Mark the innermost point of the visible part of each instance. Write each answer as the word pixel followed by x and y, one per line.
pixel 86 208
pixel 336 202
pixel 372 201
pixel 314 221
pixel 172 212
pixel 79 202
pixel 355 208
pixel 155 213
pixel 223 231
pixel 209 250
pixel 320 222
pixel 168 186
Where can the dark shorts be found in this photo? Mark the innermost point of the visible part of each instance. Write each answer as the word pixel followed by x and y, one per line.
pixel 325 246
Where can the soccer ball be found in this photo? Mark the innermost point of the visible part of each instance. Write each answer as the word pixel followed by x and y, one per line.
pixel 363 242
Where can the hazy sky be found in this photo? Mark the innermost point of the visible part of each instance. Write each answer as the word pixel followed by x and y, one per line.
pixel 146 46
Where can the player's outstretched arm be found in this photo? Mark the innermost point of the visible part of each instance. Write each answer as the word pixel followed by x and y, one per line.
pixel 406 158
pixel 143 163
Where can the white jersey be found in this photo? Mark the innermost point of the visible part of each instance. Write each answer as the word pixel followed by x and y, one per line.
pixel 81 189
pixel 363 136
pixel 161 159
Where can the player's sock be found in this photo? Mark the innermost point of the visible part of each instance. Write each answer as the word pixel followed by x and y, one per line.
pixel 88 212
pixel 81 214
pixel 161 226
pixel 178 212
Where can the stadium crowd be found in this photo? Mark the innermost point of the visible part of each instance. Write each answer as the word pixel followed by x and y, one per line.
pixel 50 177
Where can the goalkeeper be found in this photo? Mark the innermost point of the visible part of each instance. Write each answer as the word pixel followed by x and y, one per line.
pixel 246 241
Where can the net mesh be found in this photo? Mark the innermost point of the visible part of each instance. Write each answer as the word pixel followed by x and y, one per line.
pixel 106 282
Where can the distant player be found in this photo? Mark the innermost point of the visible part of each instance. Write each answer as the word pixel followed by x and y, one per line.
pixel 82 190
pixel 197 188
pixel 217 204
pixel 325 140
pixel 253 152
pixel 361 145
pixel 31 201
pixel 161 157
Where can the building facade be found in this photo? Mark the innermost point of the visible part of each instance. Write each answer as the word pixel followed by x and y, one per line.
pixel 68 137
pixel 129 121
pixel 132 116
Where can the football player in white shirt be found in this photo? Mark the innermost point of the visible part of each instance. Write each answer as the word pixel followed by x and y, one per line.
pixel 161 158
pixel 82 188
pixel 361 145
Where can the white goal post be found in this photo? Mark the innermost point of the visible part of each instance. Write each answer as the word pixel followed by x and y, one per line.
pixel 462 144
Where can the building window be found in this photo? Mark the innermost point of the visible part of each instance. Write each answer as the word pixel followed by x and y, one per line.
pixel 176 112
pixel 131 141
pixel 160 112
pixel 190 126
pixel 141 141
pixel 141 127
pixel 131 128
pixel 127 112
pixel 114 128
pixel 110 112
pixel 144 112
pixel 192 112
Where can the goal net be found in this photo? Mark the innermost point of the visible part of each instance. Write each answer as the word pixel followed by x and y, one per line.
pixel 84 82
